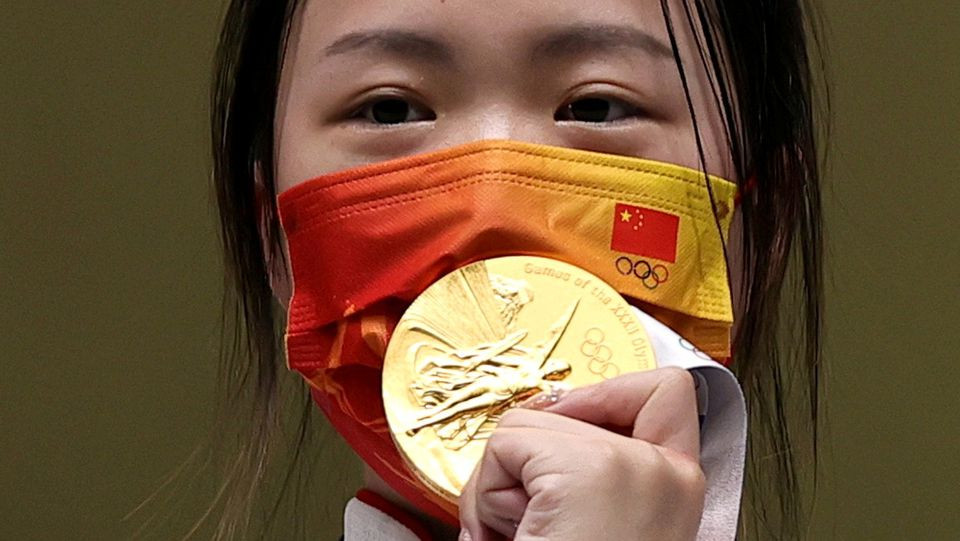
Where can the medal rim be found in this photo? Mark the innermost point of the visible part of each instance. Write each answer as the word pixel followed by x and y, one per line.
pixel 391 358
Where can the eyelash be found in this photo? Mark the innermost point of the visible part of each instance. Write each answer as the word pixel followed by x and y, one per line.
pixel 631 111
pixel 365 112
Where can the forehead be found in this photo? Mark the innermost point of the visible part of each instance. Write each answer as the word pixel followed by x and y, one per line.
pixel 509 28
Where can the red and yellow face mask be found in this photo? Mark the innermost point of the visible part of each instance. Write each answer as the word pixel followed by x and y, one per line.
pixel 363 243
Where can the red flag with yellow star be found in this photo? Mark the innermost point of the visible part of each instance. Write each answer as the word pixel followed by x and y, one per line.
pixel 645 232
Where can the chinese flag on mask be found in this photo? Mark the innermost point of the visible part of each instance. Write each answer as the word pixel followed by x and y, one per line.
pixel 645 232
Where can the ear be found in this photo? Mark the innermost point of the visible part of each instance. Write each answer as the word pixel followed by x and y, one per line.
pixel 274 257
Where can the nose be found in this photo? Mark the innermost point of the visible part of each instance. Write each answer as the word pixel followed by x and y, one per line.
pixel 501 121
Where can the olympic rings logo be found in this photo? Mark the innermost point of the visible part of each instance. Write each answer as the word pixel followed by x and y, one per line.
pixel 687 345
pixel 598 354
pixel 649 275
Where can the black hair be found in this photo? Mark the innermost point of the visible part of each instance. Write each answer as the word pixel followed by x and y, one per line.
pixel 763 59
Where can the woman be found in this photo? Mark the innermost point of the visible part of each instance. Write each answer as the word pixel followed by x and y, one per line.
pixel 311 88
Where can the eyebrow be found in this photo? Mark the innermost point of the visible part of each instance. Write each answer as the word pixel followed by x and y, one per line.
pixel 415 45
pixel 582 39
pixel 566 41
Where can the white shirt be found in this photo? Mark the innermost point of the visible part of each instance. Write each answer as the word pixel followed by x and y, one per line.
pixel 723 436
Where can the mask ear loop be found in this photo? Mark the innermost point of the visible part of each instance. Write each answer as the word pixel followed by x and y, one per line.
pixel 747 189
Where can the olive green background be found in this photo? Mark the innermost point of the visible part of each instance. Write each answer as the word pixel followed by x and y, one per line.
pixel 110 294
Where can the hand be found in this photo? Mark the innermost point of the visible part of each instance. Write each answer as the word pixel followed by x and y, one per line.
pixel 556 475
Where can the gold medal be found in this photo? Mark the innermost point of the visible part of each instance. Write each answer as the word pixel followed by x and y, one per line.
pixel 487 336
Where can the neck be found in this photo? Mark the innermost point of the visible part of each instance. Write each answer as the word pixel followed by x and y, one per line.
pixel 440 531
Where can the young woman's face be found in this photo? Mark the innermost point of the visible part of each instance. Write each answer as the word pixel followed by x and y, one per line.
pixel 370 80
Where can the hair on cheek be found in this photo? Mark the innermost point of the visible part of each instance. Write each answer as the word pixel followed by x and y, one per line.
pixel 761 80
pixel 264 413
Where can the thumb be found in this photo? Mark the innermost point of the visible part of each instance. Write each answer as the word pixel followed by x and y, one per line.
pixel 659 406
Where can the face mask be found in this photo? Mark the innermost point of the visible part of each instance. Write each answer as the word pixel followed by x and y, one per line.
pixel 363 243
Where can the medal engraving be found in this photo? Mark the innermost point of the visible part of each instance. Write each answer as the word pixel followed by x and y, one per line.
pixel 488 336
pixel 461 389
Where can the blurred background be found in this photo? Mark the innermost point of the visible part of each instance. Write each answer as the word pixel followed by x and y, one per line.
pixel 110 303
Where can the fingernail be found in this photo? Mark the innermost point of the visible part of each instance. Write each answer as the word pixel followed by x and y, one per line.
pixel 464 535
pixel 545 399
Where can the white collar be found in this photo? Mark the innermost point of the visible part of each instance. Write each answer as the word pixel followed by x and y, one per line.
pixel 363 522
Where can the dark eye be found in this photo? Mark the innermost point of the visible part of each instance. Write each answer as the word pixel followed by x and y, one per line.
pixel 596 110
pixel 394 111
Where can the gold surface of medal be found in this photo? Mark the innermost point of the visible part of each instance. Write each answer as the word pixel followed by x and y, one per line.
pixel 487 336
